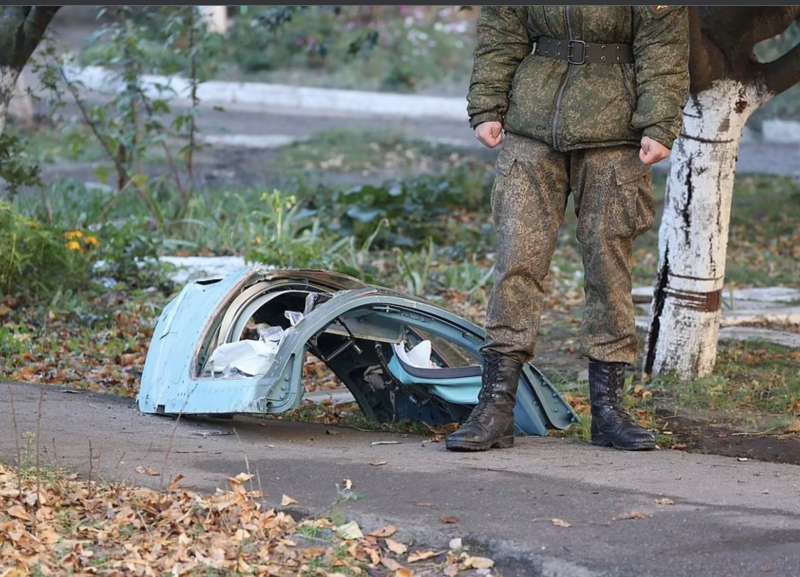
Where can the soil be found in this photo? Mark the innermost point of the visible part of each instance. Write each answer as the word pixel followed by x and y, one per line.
pixel 708 437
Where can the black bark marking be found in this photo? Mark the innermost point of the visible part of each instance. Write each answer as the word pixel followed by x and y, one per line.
pixel 706 140
pixel 659 296
pixel 741 102
pixel 686 212
pixel 696 104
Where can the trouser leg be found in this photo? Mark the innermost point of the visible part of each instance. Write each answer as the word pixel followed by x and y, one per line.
pixel 614 204
pixel 528 202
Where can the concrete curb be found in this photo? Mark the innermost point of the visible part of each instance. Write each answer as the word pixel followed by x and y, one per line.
pixel 251 96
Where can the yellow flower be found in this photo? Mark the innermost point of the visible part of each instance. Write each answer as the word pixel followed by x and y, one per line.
pixel 74 245
pixel 91 241
pixel 73 234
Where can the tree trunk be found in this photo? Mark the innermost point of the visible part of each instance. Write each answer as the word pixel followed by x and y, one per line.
pixel 694 229
pixel 216 18
pixel 21 30
pixel 8 80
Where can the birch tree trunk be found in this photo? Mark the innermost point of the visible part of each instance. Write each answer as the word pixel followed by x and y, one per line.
pixel 728 85
pixel 693 237
pixel 8 80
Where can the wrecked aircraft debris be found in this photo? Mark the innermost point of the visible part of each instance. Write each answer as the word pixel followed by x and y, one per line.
pixel 402 358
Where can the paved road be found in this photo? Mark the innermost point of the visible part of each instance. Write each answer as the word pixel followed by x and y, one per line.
pixel 729 518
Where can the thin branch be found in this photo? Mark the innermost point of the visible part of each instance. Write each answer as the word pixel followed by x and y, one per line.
pixel 121 170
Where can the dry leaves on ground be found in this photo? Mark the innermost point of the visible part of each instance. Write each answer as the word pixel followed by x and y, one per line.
pixel 51 523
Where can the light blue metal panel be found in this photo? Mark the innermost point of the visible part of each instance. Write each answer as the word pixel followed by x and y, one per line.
pixel 170 383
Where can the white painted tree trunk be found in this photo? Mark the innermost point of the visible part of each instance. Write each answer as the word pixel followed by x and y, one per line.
pixel 693 237
pixel 216 18
pixel 8 80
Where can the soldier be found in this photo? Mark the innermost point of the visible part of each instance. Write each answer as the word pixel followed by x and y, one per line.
pixel 584 99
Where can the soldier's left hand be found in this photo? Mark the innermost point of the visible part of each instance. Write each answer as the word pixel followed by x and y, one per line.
pixel 652 151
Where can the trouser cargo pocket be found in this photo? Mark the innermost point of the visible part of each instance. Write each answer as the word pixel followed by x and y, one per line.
pixel 632 211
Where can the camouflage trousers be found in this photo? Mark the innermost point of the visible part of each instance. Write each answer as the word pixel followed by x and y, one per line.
pixel 613 200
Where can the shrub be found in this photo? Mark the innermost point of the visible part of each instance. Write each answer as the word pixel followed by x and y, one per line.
pixel 37 260
pixel 129 254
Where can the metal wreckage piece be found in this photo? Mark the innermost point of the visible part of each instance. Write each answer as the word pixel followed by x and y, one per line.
pixel 361 333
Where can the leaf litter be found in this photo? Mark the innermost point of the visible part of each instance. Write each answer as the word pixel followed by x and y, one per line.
pixel 52 523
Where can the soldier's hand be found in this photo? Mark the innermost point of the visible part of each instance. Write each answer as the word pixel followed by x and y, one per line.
pixel 489 133
pixel 651 151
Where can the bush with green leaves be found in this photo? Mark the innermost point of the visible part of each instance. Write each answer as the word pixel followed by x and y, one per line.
pixel 129 252
pixel 401 48
pixel 292 236
pixel 416 208
pixel 135 123
pixel 38 261
pixel 17 168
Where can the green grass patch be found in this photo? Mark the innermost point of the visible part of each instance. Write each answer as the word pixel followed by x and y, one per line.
pixel 753 385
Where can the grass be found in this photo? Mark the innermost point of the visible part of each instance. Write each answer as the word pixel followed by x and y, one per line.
pixel 753 384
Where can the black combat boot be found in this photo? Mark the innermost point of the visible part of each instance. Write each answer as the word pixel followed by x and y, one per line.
pixel 611 425
pixel 491 423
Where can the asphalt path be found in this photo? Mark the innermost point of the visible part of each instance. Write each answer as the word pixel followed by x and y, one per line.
pixel 663 513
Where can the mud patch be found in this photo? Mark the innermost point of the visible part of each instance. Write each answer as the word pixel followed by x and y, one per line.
pixel 710 438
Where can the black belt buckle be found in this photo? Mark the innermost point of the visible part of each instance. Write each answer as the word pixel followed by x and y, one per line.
pixel 582 51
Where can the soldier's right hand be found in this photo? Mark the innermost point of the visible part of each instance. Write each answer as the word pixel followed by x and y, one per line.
pixel 489 133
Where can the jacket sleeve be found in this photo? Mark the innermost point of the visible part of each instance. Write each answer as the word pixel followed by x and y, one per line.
pixel 661 54
pixel 502 44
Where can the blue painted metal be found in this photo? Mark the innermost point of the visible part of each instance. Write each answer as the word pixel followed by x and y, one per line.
pixel 172 383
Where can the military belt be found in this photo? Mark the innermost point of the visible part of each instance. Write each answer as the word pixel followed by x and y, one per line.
pixel 580 52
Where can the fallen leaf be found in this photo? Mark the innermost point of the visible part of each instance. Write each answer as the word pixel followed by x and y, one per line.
pixel 560 523
pixel 384 532
pixel 448 519
pixel 4 311
pixel 404 572
pixel 478 563
pixel 456 543
pixel 421 556
pixel 396 547
pixel 286 500
pixel 142 470
pixel 19 512
pixel 175 484
pixel 349 531
pixel 241 478
pixel 390 564
pixel 632 515
pixel 664 501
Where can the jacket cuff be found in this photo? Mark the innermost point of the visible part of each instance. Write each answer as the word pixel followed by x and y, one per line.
pixel 659 134
pixel 482 117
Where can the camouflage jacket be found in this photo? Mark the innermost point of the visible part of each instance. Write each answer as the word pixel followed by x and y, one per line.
pixel 586 105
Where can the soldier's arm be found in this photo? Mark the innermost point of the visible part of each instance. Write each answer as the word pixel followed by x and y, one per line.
pixel 502 44
pixel 661 52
